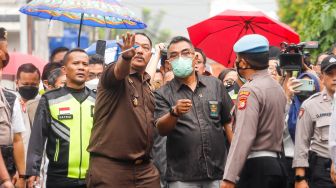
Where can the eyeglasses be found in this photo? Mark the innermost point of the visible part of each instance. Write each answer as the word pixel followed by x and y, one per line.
pixel 93 75
pixel 183 53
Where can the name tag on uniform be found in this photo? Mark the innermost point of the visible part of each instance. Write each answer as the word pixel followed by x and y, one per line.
pixel 213 105
pixel 64 113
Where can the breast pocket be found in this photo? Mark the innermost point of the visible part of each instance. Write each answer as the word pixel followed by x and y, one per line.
pixel 212 110
pixel 322 126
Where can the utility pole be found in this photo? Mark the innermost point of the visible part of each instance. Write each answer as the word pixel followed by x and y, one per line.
pixel 30 32
pixel 23 34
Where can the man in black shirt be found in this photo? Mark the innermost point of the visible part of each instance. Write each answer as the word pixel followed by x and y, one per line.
pixel 65 117
pixel 191 111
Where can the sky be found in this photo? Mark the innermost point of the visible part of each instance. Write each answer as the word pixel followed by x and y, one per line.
pixel 181 14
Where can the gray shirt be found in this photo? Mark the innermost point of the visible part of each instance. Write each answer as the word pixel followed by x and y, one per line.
pixel 312 128
pixel 259 125
pixel 196 148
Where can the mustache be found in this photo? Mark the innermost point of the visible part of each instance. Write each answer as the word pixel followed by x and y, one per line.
pixel 139 56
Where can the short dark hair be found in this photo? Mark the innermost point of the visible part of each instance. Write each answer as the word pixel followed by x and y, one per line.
pixel 54 74
pixel 3 32
pixel 224 72
pixel 202 53
pixel 257 61
pixel 48 68
pixel 145 35
pixel 56 51
pixel 178 39
pixel 66 57
pixel 97 59
pixel 29 68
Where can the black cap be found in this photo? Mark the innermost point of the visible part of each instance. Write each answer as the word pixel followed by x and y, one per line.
pixel 328 62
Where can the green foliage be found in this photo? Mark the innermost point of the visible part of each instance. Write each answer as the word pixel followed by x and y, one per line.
pixel 312 19
pixel 153 26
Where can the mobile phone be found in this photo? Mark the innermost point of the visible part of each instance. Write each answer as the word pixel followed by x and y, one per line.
pixel 100 47
pixel 307 85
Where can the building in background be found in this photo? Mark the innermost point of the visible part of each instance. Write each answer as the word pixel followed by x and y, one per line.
pixel 30 35
pixel 178 15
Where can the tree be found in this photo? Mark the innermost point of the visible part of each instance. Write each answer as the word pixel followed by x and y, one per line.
pixel 312 19
pixel 153 26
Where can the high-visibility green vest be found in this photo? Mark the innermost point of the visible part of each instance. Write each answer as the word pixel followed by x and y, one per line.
pixel 72 122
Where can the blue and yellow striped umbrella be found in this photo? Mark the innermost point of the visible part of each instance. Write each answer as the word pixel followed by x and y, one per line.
pixel 95 13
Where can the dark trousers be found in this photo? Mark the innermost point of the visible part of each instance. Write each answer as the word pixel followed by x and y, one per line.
pixel 57 182
pixel 319 172
pixel 263 172
pixel 107 173
pixel 290 172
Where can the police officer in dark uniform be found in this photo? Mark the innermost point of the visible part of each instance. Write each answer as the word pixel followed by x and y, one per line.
pixel 256 146
pixel 311 155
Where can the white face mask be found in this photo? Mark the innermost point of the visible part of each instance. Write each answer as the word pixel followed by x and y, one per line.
pixel 92 84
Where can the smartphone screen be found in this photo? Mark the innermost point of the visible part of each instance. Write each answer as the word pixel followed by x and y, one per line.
pixel 100 47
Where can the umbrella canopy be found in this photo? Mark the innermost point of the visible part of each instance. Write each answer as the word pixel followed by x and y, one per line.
pixel 217 35
pixel 16 59
pixel 95 13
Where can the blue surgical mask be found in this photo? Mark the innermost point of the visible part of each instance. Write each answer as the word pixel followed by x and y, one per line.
pixel 182 67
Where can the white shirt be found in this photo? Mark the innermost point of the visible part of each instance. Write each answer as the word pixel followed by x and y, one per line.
pixel 287 139
pixel 17 119
pixel 332 133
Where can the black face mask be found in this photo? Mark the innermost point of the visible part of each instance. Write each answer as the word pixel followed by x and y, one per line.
pixel 303 95
pixel 229 85
pixel 28 92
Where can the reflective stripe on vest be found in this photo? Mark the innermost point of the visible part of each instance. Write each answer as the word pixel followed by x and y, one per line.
pixel 74 124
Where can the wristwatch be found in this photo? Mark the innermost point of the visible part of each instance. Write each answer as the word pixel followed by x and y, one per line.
pixel 172 112
pixel 299 178
pixel 21 176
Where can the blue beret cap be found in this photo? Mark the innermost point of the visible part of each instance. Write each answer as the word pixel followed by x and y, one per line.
pixel 253 43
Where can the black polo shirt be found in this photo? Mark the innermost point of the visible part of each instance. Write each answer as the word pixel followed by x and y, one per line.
pixel 196 148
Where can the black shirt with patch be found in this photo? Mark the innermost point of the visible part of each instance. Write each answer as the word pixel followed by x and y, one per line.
pixel 196 148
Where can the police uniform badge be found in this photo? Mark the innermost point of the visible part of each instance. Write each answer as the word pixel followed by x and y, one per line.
pixel 242 100
pixel 213 105
pixel 135 101
pixel 64 113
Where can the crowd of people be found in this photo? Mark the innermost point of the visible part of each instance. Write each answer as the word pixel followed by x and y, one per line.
pixel 159 120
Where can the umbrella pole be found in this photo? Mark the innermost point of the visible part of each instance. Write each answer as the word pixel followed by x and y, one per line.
pixel 80 30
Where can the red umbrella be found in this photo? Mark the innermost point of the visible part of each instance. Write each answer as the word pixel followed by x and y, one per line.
pixel 217 35
pixel 16 59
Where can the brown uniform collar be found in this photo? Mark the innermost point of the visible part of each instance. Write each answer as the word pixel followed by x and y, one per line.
pixel 177 84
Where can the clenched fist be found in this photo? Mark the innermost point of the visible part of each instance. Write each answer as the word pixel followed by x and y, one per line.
pixel 182 106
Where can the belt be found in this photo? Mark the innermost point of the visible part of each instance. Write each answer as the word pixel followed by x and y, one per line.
pixel 125 161
pixel 255 154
